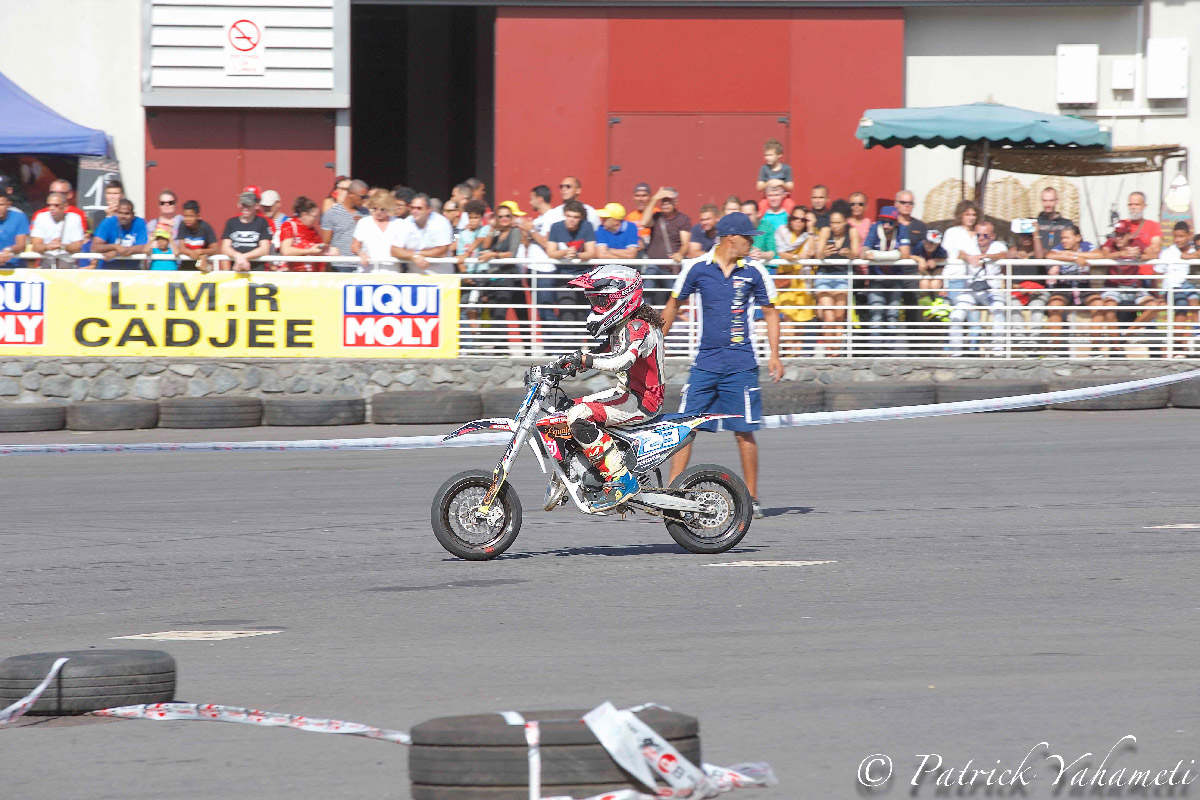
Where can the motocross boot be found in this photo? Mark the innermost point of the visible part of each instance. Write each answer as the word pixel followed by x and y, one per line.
pixel 619 483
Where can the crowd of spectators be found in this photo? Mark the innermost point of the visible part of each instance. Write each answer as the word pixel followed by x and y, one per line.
pixel 919 279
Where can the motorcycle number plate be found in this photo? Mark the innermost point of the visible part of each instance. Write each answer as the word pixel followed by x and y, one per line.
pixel 656 440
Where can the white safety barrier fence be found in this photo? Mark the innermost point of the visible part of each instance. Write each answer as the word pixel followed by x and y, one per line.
pixel 1014 308
pixel 633 744
pixel 485 439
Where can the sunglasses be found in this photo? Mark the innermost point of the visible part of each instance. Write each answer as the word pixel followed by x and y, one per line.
pixel 166 202
pixel 856 205
pixel 566 186
pixel 983 236
pixel 903 202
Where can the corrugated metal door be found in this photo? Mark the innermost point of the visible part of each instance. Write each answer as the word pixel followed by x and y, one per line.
pixel 707 157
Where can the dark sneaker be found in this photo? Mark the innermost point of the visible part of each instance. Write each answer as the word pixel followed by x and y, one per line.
pixel 755 508
pixel 615 492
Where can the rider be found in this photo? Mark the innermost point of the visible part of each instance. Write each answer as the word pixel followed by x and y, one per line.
pixel 633 349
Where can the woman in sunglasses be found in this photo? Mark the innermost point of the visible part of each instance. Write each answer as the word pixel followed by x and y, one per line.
pixel 794 243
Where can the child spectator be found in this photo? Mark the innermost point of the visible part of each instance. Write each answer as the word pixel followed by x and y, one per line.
pixel 774 169
pixel 161 246
pixel 195 240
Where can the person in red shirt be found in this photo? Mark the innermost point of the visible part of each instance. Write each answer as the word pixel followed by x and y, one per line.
pixel 299 236
pixel 1126 285
pixel 1145 234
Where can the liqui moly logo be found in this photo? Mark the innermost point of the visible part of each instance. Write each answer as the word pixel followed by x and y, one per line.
pixel 22 310
pixel 391 315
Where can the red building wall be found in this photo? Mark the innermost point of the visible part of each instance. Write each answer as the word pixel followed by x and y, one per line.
pixel 562 73
pixel 209 155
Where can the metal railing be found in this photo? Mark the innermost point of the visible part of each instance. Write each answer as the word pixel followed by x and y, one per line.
pixel 829 308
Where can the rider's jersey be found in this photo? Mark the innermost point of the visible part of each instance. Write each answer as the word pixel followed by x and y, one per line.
pixel 635 352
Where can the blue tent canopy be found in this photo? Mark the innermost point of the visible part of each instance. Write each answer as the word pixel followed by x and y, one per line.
pixel 955 126
pixel 28 126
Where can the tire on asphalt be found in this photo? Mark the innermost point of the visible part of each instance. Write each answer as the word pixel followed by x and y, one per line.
pixel 313 411
pixel 501 402
pixel 112 415
pixel 878 394
pixel 210 412
pixel 421 406
pixel 481 757
pixel 21 417
pixel 792 397
pixel 509 766
pixel 90 680
pixel 1158 397
pixel 1186 394
pixel 958 391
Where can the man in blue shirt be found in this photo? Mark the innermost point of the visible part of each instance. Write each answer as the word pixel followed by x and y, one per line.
pixel 617 237
pixel 122 235
pixel 724 377
pixel 14 232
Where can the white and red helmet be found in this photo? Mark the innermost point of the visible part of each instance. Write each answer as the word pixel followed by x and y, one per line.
pixel 614 292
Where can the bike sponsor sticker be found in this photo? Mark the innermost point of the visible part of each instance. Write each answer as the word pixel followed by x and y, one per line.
pixel 22 312
pixel 391 315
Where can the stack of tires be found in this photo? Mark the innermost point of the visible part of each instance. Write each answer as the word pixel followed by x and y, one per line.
pixel 483 757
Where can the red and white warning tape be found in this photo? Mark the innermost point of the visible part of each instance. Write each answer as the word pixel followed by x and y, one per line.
pixel 632 743
pixel 485 439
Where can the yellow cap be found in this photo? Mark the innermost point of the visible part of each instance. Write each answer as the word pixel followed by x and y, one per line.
pixel 612 211
pixel 512 206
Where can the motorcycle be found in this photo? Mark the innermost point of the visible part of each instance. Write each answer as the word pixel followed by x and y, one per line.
pixel 477 515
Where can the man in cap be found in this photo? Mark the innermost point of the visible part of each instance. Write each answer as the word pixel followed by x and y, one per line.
pixel 617 237
pixel 724 377
pixel 880 299
pixel 269 207
pixel 636 215
pixel 247 236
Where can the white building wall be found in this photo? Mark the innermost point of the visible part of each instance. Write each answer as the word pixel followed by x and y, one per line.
pixel 86 66
pixel 965 55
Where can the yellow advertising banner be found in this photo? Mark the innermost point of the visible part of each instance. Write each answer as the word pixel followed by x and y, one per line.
pixel 227 314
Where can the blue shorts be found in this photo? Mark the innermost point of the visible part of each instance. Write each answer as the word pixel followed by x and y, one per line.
pixel 724 393
pixel 826 283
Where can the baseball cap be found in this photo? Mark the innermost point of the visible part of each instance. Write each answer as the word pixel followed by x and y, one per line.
pixel 641 187
pixel 888 212
pixel 512 206
pixel 247 198
pixel 934 236
pixel 736 224
pixel 270 197
pixel 1123 227
pixel 253 189
pixel 162 232
pixel 612 211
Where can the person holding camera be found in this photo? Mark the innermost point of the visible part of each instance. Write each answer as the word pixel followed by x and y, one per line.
pixel 977 284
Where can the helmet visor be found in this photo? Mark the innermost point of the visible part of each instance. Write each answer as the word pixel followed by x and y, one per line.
pixel 602 302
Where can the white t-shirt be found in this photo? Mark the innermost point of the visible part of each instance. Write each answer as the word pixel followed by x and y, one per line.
pixel 556 215
pixel 437 232
pixel 538 260
pixel 957 239
pixel 992 271
pixel 376 243
pixel 1176 274
pixel 70 230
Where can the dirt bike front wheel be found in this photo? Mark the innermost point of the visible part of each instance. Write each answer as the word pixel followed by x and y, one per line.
pixel 727 510
pixel 461 530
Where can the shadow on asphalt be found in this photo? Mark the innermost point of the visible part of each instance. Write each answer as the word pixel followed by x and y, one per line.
pixel 784 510
pixel 612 550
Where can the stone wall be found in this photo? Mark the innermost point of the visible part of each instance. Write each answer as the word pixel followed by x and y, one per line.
pixel 31 379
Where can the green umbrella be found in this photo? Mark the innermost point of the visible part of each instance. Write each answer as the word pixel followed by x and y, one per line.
pixel 988 124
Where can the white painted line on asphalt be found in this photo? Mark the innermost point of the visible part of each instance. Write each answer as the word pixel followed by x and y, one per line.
pixel 1180 526
pixel 769 563
pixel 195 636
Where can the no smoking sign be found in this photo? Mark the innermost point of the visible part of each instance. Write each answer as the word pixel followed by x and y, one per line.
pixel 244 48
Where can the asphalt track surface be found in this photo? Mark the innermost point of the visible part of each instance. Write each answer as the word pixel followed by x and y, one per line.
pixel 998 583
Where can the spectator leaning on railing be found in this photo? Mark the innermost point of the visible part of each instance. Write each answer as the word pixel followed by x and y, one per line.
pixel 195 241
pixel 14 233
pixel 63 187
pixel 58 234
pixel 881 299
pixel 338 223
pixel 298 236
pixel 504 242
pixel 1050 223
pixel 979 287
pixel 374 233
pixel 122 235
pixel 246 236
pixel 703 234
pixel 616 237
pixel 425 234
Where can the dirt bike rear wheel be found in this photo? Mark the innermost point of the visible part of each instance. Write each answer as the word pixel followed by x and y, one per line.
pixel 460 532
pixel 728 521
